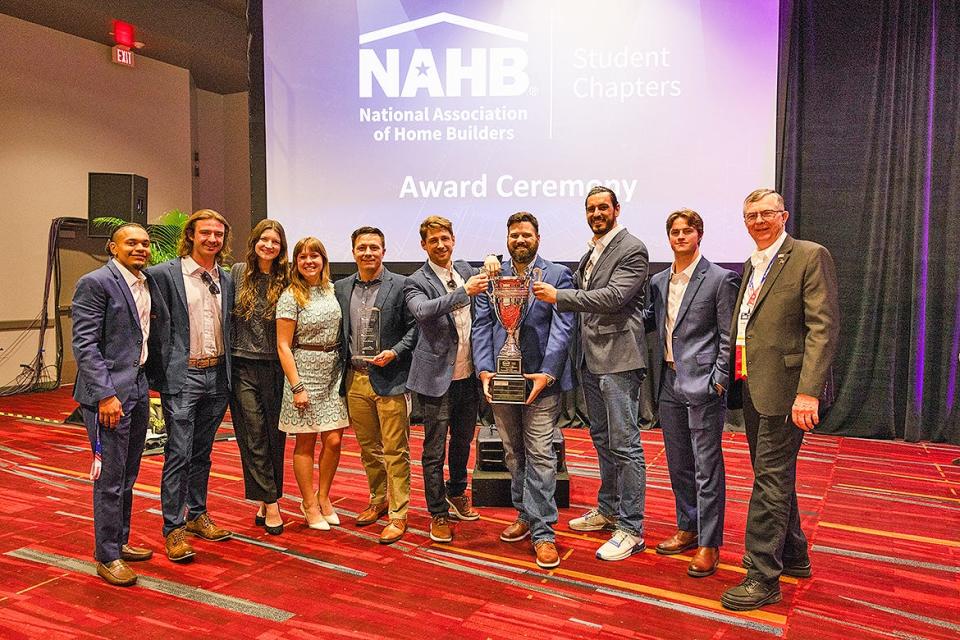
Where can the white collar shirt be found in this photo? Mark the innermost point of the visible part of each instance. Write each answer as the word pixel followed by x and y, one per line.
pixel 676 289
pixel 463 365
pixel 760 260
pixel 598 246
pixel 141 297
pixel 203 309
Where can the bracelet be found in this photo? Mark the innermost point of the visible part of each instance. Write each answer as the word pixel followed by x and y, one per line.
pixel 297 388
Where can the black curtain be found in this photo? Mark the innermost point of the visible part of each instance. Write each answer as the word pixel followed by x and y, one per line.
pixel 870 113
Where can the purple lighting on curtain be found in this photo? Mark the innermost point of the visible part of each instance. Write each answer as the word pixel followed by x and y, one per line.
pixel 925 230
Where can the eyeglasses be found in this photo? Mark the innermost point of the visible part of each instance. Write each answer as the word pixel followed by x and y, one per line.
pixel 208 280
pixel 766 216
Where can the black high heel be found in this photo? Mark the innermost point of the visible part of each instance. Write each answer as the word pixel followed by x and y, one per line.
pixel 260 520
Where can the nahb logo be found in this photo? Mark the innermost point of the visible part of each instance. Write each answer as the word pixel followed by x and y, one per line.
pixel 476 72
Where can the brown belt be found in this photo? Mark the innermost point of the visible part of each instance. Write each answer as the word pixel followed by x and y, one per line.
pixel 204 363
pixel 317 347
pixel 672 365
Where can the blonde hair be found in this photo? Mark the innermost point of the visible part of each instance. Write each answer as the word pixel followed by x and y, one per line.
pixel 185 248
pixel 432 223
pixel 299 286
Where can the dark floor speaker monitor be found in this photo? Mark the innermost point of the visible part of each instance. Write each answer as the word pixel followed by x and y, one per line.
pixel 491 480
pixel 116 195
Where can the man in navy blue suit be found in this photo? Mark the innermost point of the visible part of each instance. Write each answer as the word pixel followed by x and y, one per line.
pixel 117 319
pixel 194 384
pixel 691 306
pixel 527 430
pixel 439 295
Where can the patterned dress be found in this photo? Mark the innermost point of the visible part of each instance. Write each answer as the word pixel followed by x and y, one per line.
pixel 317 324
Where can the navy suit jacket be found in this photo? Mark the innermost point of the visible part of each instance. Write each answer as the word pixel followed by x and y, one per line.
pixel 398 331
pixel 701 332
pixel 176 352
pixel 544 335
pixel 431 304
pixel 107 339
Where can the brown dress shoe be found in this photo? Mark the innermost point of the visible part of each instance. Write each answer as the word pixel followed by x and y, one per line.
pixel 203 526
pixel 393 531
pixel 516 531
pixel 678 543
pixel 372 513
pixel 135 554
pixel 178 549
pixel 461 509
pixel 547 556
pixel 704 563
pixel 117 573
pixel 440 530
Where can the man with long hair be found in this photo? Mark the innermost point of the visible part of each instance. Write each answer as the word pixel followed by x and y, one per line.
pixel 195 382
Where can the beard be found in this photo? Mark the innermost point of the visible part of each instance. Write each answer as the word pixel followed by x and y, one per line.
pixel 523 255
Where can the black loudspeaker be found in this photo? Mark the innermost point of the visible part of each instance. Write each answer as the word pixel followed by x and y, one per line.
pixel 491 480
pixel 116 195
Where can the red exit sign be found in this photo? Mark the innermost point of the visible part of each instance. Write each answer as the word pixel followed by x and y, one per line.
pixel 123 55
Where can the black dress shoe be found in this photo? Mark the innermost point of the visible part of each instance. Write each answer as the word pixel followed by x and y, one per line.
pixel 796 570
pixel 750 594
pixel 274 531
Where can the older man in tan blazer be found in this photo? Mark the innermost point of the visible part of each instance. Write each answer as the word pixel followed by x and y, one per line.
pixel 784 335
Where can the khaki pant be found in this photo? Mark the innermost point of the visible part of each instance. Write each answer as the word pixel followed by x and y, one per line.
pixel 382 426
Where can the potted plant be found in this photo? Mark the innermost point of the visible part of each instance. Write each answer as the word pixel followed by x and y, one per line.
pixel 164 235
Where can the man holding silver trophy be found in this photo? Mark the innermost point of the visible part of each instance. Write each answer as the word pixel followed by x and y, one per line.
pixel 521 353
pixel 439 295
pixel 609 297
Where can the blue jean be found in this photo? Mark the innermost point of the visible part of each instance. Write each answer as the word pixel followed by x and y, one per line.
pixel 192 418
pixel 121 450
pixel 454 412
pixel 527 434
pixel 691 436
pixel 613 404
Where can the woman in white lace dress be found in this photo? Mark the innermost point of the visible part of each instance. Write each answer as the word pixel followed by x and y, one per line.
pixel 308 341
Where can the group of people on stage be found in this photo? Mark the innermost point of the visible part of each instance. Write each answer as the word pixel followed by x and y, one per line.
pixel 292 353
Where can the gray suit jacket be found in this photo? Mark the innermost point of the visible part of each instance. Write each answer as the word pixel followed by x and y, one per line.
pixel 793 332
pixel 398 331
pixel 701 342
pixel 431 304
pixel 612 335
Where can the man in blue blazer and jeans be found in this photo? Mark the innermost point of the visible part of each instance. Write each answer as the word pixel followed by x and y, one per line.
pixel 691 305
pixel 118 322
pixel 194 384
pixel 527 430
pixel 440 296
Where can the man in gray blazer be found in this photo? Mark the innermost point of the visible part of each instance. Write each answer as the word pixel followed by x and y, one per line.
pixel 194 385
pixel 440 296
pixel 690 308
pixel 375 385
pixel 610 281
pixel 783 338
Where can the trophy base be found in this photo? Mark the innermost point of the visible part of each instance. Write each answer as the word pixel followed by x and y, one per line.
pixel 508 388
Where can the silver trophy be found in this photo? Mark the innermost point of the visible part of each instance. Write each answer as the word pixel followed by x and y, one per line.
pixel 510 298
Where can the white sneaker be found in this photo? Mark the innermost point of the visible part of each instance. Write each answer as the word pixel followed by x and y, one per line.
pixel 620 546
pixel 592 520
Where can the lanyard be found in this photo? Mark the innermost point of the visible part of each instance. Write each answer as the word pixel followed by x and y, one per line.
pixel 752 300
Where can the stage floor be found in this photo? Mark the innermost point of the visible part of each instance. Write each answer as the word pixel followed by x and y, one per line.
pixel 883 519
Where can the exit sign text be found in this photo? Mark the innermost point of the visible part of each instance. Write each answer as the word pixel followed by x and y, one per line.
pixel 122 55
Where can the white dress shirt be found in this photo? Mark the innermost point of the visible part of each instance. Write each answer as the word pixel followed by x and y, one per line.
pixel 598 247
pixel 761 258
pixel 204 310
pixel 463 367
pixel 141 297
pixel 678 286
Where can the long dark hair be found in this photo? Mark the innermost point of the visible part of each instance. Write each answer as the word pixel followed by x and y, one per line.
pixel 279 273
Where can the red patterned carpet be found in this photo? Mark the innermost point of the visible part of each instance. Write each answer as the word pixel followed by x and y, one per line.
pixel 883 519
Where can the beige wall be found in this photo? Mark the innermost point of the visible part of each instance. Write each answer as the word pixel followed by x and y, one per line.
pixel 66 110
